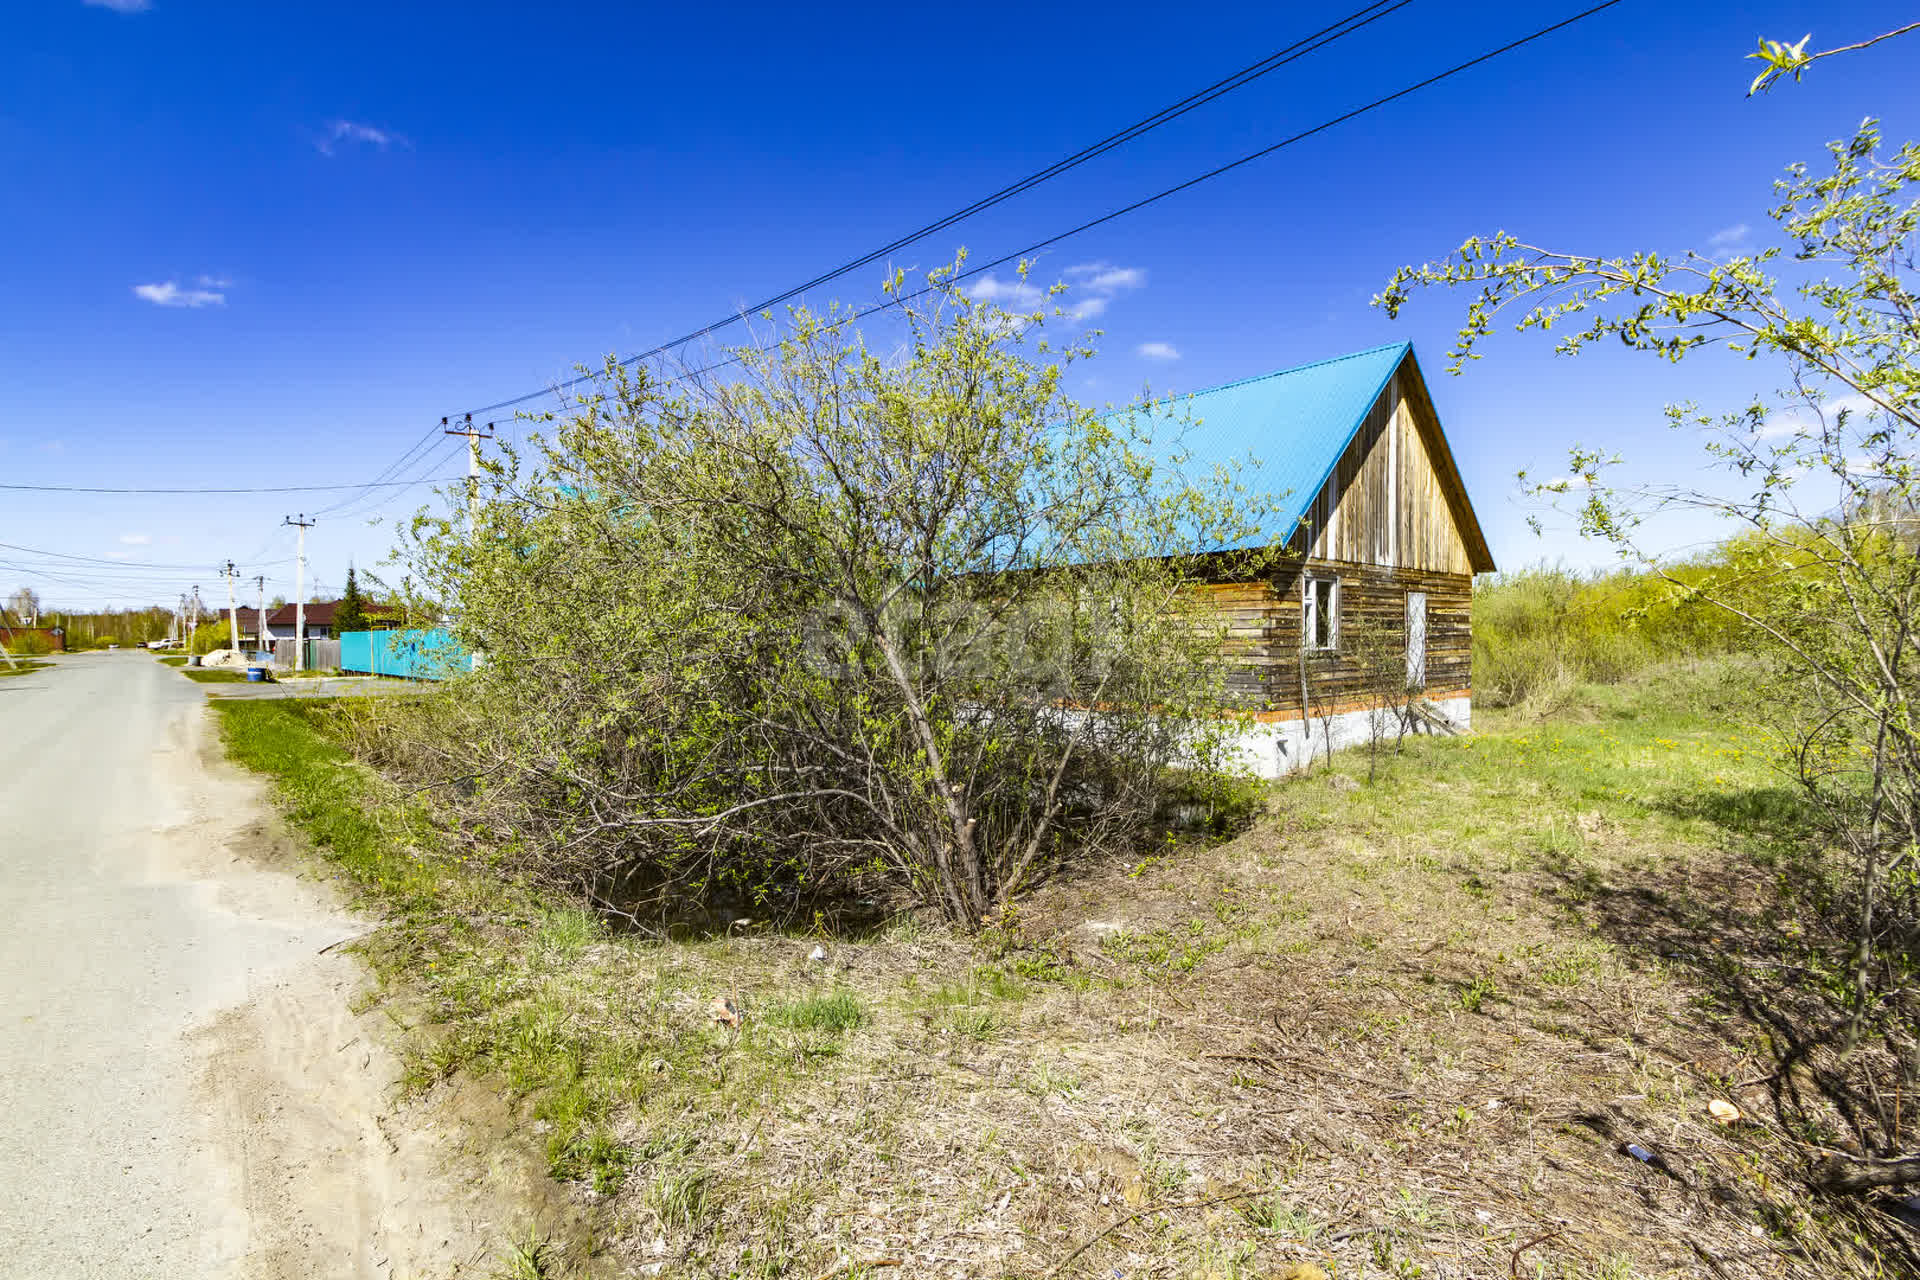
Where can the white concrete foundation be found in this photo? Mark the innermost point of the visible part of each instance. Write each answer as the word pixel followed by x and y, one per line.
pixel 1274 750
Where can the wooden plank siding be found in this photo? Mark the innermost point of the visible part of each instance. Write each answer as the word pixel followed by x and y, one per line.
pixel 1263 632
pixel 1392 518
pixel 1392 498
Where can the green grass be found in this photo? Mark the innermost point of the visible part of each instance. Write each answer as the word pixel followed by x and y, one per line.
pixel 20 667
pixel 212 675
pixel 1672 757
pixel 337 804
pixel 840 1011
pixel 1396 939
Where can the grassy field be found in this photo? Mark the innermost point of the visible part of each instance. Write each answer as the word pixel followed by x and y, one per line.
pixel 20 667
pixel 1401 1029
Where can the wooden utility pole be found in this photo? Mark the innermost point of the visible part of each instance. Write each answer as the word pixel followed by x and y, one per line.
pixel 300 593
pixel 260 611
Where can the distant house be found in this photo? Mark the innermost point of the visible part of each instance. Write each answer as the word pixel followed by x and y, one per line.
pixel 249 619
pixel 1382 554
pixel 319 619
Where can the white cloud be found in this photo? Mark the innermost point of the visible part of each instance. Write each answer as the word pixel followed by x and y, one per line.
pixel 214 282
pixel 1104 277
pixel 340 131
pixel 1728 242
pixel 1016 294
pixel 120 6
pixel 1565 484
pixel 170 294
pixel 135 539
pixel 1094 286
pixel 1159 351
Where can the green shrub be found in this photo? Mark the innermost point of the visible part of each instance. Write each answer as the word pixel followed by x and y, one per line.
pixel 1538 632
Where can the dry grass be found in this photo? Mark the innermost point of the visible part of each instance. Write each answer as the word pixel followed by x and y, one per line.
pixel 1395 1031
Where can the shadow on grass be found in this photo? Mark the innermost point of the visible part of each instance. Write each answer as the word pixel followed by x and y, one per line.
pixel 1767 966
pixel 1774 822
pixel 1763 935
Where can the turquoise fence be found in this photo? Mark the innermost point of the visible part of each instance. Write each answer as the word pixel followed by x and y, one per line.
pixel 422 655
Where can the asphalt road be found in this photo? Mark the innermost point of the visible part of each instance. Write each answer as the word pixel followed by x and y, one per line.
pixel 132 917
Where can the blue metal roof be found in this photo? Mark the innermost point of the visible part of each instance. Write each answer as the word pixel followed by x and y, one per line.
pixel 1286 429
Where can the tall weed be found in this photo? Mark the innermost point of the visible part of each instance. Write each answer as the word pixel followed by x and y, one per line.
pixel 1539 632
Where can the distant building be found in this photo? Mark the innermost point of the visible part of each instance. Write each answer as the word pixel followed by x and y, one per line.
pixel 319 619
pixel 249 619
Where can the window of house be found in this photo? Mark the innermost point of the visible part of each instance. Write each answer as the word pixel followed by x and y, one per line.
pixel 1320 613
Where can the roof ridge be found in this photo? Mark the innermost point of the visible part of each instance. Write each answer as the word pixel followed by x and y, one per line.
pixel 1404 345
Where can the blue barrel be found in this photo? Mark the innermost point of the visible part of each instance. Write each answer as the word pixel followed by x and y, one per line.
pixel 256 674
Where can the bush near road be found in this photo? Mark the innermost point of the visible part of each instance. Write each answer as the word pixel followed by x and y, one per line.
pixel 1407 1025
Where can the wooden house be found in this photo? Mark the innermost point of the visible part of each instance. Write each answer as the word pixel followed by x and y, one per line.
pixel 1375 591
pixel 318 617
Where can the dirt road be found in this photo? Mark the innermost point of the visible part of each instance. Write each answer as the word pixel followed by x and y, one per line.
pixel 183 1089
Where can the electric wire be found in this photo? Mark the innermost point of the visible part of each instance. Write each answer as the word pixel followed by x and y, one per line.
pixel 1300 48
pixel 393 468
pixel 284 488
pixel 102 560
pixel 900 299
pixel 894 300
pixel 356 504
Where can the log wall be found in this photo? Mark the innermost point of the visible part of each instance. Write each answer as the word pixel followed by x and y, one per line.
pixel 1391 519
pixel 1264 620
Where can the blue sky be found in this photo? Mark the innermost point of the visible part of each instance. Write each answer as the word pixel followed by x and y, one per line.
pixel 259 245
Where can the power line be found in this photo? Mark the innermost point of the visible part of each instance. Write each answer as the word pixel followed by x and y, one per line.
pixel 358 504
pixel 119 564
pixel 90 583
pixel 285 488
pixel 418 449
pixel 1300 48
pixel 1019 254
pixel 897 300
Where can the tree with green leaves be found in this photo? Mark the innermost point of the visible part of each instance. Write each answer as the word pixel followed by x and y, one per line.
pixel 890 620
pixel 1784 61
pixel 1819 481
pixel 352 613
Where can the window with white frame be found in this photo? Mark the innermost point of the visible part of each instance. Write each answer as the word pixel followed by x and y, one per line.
pixel 1320 613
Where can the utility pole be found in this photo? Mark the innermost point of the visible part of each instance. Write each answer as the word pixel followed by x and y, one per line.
pixel 233 610
pixel 300 592
pixel 474 436
pixel 260 613
pixel 195 624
